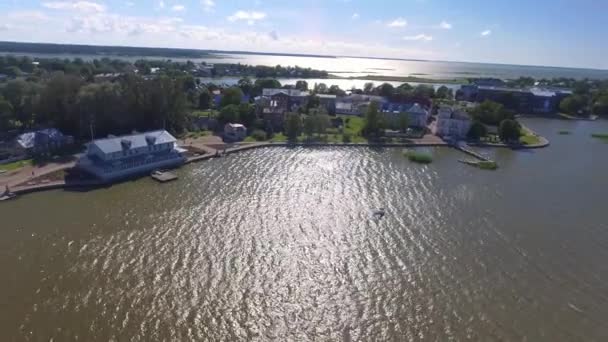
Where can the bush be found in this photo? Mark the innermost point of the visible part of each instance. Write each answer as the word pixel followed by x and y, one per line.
pixel 419 157
pixel 258 135
pixel 487 165
pixel 346 138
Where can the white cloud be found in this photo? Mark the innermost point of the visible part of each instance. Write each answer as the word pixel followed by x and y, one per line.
pixel 161 4
pixel 129 4
pixel 251 17
pixel 208 5
pixel 4 27
pixel 178 8
pixel 355 16
pixel 445 25
pixel 81 6
pixel 399 22
pixel 486 33
pixel 420 37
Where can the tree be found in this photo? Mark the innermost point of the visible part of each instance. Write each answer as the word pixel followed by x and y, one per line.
pixel 424 91
pixel 477 131
pixel 373 123
pixel 309 125
pixel 313 102
pixel 573 104
pixel 229 114
pixel 321 88
pixel 600 106
pixel 246 85
pixel 335 90
pixel 204 99
pixel 231 96
pixel 491 113
pixel 509 130
pixel 302 85
pixel 265 83
pixel 6 114
pixel 444 92
pixel 247 114
pixel 403 122
pixel 386 90
pixel 293 126
pixel 368 88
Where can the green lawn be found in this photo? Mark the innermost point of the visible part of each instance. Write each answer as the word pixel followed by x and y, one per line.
pixel 354 126
pixel 279 137
pixel 419 157
pixel 529 139
pixel 16 165
pixel 205 113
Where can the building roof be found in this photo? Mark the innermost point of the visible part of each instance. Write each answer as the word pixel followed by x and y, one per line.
pixel 361 98
pixel 117 144
pixel 326 96
pixel 30 139
pixel 235 125
pixel 288 92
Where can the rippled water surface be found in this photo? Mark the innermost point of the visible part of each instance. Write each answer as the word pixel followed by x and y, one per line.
pixel 278 244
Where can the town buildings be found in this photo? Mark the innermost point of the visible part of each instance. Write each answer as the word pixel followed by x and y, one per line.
pixel 417 115
pixel 356 104
pixel 121 157
pixel 42 141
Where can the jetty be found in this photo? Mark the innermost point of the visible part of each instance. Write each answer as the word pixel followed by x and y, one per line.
pixel 163 176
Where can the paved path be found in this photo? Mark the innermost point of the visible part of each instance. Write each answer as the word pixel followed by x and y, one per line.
pixel 25 174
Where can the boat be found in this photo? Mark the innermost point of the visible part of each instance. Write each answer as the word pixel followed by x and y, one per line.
pixel 378 213
pixel 8 196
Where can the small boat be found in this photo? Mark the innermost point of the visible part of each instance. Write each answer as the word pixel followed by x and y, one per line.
pixel 378 213
pixel 8 196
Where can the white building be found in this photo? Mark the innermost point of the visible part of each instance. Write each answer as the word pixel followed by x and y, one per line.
pixel 235 132
pixel 125 156
pixel 452 123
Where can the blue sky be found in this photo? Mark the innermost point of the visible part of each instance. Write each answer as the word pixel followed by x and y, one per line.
pixel 541 32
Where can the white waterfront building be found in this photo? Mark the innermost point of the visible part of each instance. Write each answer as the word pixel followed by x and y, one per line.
pixel 121 157
pixel 452 123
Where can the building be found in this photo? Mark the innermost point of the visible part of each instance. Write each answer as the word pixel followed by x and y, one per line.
pixel 274 103
pixel 328 102
pixel 357 104
pixel 524 100
pixel 452 123
pixel 417 115
pixel 234 132
pixel 121 157
pixel 42 141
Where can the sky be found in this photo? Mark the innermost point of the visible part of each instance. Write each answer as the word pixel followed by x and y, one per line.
pixel 570 33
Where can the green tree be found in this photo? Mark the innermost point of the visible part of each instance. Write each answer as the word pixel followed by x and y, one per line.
pixel 229 114
pixel 231 96
pixel 247 114
pixel 424 91
pixel 312 103
pixel 309 125
pixel 386 90
pixel 491 113
pixel 302 85
pixel 204 99
pixel 444 92
pixel 368 88
pixel 321 88
pixel 403 122
pixel 373 123
pixel 335 90
pixel 600 106
pixel 509 130
pixel 477 131
pixel 265 83
pixel 293 126
pixel 573 104
pixel 6 114
pixel 246 85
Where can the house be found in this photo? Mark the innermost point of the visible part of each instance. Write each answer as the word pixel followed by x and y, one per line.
pixel 357 104
pixel 417 115
pixel 274 103
pixel 125 156
pixel 234 132
pixel 41 142
pixel 452 123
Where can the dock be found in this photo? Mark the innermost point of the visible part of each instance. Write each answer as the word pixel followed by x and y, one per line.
pixel 163 176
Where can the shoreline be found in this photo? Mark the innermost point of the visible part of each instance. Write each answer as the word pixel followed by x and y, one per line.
pixel 93 184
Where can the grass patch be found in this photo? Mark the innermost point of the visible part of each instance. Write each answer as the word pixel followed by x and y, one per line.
pixel 601 136
pixel 564 132
pixel 529 139
pixel 419 157
pixel 205 113
pixel 487 165
pixel 16 165
pixel 279 137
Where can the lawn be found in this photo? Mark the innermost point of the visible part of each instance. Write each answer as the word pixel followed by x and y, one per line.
pixel 419 157
pixel 529 139
pixel 205 113
pixel 279 137
pixel 16 165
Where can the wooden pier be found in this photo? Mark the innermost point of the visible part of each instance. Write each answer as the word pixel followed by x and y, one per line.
pixel 163 176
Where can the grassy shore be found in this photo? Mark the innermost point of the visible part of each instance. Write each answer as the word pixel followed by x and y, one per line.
pixel 16 165
pixel 601 136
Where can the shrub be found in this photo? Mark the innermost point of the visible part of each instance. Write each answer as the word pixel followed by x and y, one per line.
pixel 346 138
pixel 419 157
pixel 258 135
